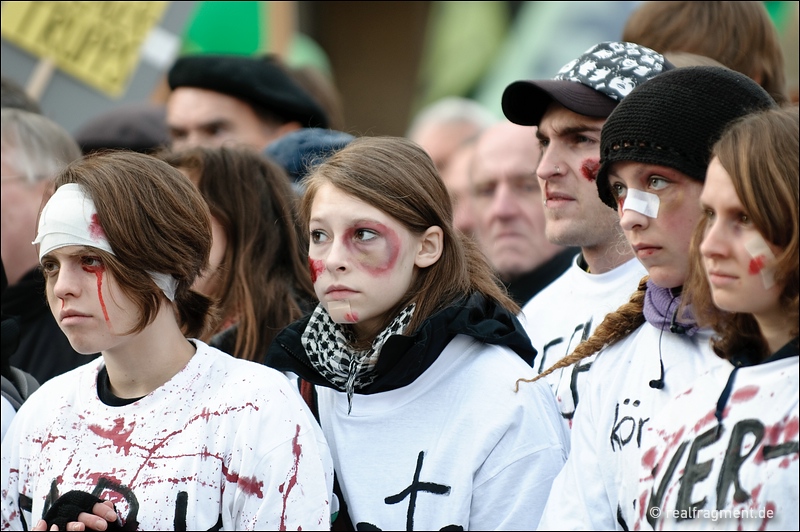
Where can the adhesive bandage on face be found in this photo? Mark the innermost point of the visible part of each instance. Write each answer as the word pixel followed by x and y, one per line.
pixel 340 311
pixel 763 260
pixel 641 202
pixel 70 219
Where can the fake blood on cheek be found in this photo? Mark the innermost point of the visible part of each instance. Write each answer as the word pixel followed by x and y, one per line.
pixel 98 272
pixel 316 267
pixel 589 169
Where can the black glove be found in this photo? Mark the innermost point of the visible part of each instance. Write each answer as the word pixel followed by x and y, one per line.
pixel 67 508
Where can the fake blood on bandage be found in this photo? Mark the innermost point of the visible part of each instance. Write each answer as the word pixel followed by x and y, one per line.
pixel 757 264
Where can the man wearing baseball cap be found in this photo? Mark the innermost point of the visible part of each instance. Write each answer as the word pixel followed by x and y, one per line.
pixel 570 111
pixel 220 99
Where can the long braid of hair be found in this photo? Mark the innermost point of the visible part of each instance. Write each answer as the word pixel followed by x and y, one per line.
pixel 616 326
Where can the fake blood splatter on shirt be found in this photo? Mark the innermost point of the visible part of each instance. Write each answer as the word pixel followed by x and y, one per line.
pixel 286 487
pixel 117 434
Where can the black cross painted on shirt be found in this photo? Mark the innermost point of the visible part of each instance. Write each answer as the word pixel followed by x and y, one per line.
pixel 412 491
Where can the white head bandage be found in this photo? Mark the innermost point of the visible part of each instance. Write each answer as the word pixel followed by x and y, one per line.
pixel 641 202
pixel 70 219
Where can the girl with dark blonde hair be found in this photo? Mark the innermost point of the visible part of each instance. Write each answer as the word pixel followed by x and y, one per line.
pixel 744 284
pixel 258 272
pixel 176 434
pixel 654 148
pixel 413 353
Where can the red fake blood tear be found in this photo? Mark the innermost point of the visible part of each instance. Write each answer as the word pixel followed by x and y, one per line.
pixel 95 229
pixel 589 169
pixel 284 488
pixel 757 264
pixel 351 317
pixel 316 267
pixel 98 272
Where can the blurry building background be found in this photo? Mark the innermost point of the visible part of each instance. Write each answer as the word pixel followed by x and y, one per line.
pixel 386 60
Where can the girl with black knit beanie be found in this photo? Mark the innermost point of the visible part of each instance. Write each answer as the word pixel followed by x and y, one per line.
pixel 744 284
pixel 655 148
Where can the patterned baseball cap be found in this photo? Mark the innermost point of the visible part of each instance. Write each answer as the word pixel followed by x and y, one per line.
pixel 591 85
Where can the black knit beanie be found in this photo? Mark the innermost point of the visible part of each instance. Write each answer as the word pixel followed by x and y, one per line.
pixel 674 119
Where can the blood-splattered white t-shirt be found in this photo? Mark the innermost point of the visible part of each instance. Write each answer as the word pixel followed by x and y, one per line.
pixel 740 474
pixel 224 442
pixel 625 389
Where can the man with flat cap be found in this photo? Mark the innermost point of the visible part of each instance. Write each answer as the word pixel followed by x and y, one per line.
pixel 221 99
pixel 570 111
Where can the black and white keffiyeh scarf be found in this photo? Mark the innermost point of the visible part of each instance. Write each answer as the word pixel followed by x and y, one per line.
pixel 326 344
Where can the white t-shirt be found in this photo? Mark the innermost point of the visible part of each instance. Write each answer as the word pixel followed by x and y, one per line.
pixel 456 447
pixel 224 440
pixel 726 479
pixel 621 396
pixel 565 313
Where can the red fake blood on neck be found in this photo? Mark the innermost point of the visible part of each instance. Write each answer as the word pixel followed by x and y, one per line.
pixel 757 264
pixel 315 266
pixel 98 272
pixel 589 169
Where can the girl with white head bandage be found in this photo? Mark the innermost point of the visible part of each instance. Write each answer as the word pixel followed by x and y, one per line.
pixel 165 429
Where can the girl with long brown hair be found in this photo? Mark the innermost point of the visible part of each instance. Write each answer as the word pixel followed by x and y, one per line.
pixel 413 353
pixel 744 284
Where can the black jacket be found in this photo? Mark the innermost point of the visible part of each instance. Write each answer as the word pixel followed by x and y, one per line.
pixel 404 358
pixel 43 349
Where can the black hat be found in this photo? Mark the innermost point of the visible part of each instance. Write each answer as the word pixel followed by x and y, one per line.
pixel 591 85
pixel 260 81
pixel 674 120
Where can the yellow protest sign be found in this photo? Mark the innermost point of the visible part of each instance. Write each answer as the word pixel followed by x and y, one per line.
pixel 96 42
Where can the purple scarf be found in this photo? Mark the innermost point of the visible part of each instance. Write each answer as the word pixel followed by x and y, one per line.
pixel 661 307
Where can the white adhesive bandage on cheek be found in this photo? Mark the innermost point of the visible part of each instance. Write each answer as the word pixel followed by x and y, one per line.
pixel 70 219
pixel 641 202
pixel 763 260
pixel 340 311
